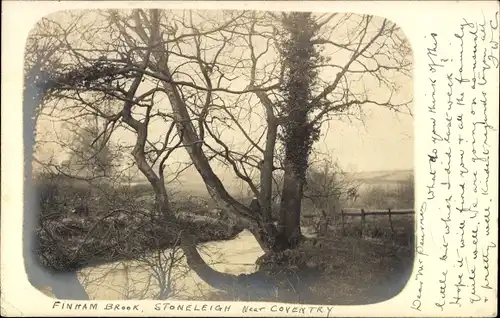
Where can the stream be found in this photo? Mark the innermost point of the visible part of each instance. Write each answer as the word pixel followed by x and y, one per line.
pixel 139 279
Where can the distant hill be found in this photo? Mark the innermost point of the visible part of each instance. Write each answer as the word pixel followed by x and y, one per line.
pixel 382 177
pixel 196 187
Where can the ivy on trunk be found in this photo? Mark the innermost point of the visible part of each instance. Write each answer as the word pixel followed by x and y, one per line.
pixel 299 60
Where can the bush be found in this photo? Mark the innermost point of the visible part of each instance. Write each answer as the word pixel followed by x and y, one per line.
pixel 68 242
pixel 56 193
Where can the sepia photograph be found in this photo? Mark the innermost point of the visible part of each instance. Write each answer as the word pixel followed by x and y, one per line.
pixel 249 158
pixel 218 155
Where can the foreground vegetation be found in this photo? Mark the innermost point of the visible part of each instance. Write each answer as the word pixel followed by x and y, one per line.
pixel 120 225
pixel 327 269
pixel 336 270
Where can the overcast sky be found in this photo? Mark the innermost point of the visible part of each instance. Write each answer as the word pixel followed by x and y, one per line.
pixel 383 140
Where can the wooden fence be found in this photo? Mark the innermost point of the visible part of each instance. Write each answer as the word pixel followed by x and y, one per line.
pixel 362 213
pixel 352 212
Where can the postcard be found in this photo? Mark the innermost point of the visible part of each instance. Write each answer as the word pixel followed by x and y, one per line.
pixel 246 158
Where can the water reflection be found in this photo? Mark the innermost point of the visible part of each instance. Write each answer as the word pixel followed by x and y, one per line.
pixel 165 274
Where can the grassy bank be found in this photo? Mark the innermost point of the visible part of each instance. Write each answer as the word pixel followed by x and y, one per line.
pixel 120 224
pixel 335 269
pixel 71 243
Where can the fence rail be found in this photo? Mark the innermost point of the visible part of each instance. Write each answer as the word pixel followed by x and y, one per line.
pixel 353 212
pixel 349 212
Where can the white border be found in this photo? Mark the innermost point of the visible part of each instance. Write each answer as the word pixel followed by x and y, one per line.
pixel 417 19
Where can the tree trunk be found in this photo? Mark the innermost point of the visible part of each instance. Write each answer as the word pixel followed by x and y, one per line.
pixel 299 58
pixel 67 285
pixel 289 231
pixel 161 197
pixel 262 230
pixel 210 276
pixel 267 168
pixel 187 244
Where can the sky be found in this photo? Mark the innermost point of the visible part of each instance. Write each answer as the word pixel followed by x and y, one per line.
pixel 382 140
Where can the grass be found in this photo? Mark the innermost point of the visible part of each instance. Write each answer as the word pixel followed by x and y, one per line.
pixel 378 228
pixel 341 270
pixel 342 267
pixel 352 272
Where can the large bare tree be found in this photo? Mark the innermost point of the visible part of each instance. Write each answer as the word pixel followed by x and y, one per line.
pixel 194 80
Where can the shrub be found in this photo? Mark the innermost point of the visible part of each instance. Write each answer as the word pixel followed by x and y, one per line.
pixel 68 242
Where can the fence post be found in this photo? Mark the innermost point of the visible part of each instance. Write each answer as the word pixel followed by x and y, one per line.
pixel 362 221
pixel 342 217
pixel 390 221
